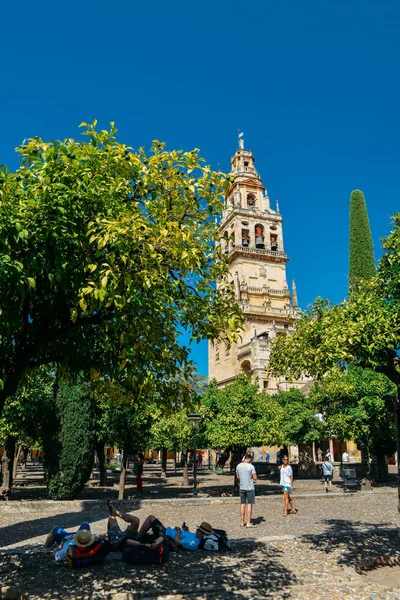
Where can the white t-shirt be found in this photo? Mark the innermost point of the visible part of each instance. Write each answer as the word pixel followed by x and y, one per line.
pixel 345 457
pixel 286 474
pixel 245 473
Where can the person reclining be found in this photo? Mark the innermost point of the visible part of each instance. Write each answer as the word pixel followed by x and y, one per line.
pixel 175 537
pixel 58 535
pixel 120 539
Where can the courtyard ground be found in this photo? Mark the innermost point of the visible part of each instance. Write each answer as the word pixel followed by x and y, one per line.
pixel 314 554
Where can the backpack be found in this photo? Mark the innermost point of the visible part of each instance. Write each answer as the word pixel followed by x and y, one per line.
pixel 215 542
pixel 134 555
pixel 78 557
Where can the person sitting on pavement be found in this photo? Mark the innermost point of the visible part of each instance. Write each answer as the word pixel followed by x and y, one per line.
pixel 64 540
pixel 176 537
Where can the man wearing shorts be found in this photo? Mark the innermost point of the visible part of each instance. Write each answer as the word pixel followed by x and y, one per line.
pixel 327 470
pixel 246 474
pixel 118 538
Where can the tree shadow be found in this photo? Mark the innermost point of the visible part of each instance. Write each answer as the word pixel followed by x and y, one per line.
pixel 355 541
pixel 31 528
pixel 249 566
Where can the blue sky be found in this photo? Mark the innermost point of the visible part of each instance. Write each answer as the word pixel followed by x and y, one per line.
pixel 314 86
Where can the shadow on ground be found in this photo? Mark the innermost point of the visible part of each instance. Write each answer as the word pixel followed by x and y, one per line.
pixel 31 528
pixel 249 566
pixel 357 541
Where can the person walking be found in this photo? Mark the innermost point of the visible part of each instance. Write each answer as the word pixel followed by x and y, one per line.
pixel 286 481
pixel 246 474
pixel 327 471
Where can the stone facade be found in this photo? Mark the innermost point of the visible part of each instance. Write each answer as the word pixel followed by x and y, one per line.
pixel 252 237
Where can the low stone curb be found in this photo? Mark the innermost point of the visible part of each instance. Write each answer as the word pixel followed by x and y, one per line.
pixel 8 593
pixel 367 564
pixel 89 505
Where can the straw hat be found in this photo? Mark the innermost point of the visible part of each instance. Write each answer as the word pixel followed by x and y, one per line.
pixel 206 528
pixel 83 537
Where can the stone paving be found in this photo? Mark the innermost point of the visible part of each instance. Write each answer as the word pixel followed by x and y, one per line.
pixel 311 555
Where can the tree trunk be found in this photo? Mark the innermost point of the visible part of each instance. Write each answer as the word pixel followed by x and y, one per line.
pixel 164 463
pixel 175 462
pixel 381 464
pixel 7 461
pixel 236 456
pixel 185 469
pixel 397 423
pixel 102 464
pixel 366 464
pixel 16 459
pixel 122 477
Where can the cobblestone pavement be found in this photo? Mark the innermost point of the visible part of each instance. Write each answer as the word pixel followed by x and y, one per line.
pixel 310 555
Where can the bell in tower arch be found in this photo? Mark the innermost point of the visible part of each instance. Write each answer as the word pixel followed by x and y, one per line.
pixel 259 235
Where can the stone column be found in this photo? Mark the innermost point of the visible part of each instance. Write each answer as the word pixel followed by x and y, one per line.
pixel 331 449
pixel 314 456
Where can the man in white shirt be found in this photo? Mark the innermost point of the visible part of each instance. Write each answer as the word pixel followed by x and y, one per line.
pixel 246 474
pixel 345 457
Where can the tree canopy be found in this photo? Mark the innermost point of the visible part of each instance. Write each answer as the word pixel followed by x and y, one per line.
pixel 105 253
pixel 354 404
pixel 363 331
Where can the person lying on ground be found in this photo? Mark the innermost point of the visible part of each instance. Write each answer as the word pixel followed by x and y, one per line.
pixel 175 537
pixel 64 540
pixel 120 539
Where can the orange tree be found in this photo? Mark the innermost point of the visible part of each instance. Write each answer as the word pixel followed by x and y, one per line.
pixel 363 331
pixel 105 255
pixel 99 241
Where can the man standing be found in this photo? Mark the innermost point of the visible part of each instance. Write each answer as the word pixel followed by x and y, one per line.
pixel 246 474
pixel 327 471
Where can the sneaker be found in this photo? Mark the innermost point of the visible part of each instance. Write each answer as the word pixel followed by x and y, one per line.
pixel 326 489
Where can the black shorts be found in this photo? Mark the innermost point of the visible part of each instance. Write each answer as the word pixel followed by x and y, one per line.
pixel 158 528
pixel 328 477
pixel 247 496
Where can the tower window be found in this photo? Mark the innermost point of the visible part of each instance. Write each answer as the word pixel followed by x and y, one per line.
pixel 265 384
pixel 246 164
pixel 245 238
pixel 251 200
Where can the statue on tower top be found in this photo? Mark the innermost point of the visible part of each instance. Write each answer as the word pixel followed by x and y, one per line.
pixel 241 140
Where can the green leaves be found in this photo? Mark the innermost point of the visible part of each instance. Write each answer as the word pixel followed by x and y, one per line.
pixel 98 241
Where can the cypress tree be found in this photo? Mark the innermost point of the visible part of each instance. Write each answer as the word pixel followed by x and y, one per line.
pixel 73 441
pixel 362 261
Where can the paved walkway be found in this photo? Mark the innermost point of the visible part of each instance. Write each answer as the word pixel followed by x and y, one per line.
pixel 311 555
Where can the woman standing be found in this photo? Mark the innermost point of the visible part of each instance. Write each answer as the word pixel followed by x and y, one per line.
pixel 139 464
pixel 287 486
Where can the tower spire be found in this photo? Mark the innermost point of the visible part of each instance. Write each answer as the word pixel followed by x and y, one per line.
pixel 241 139
pixel 295 301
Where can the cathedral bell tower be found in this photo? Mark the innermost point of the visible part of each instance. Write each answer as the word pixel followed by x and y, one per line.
pixel 252 237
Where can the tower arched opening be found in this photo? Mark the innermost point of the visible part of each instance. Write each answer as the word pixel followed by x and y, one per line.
pixel 246 368
pixel 259 235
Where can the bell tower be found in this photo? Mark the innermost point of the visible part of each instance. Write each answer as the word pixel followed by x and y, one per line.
pixel 252 237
